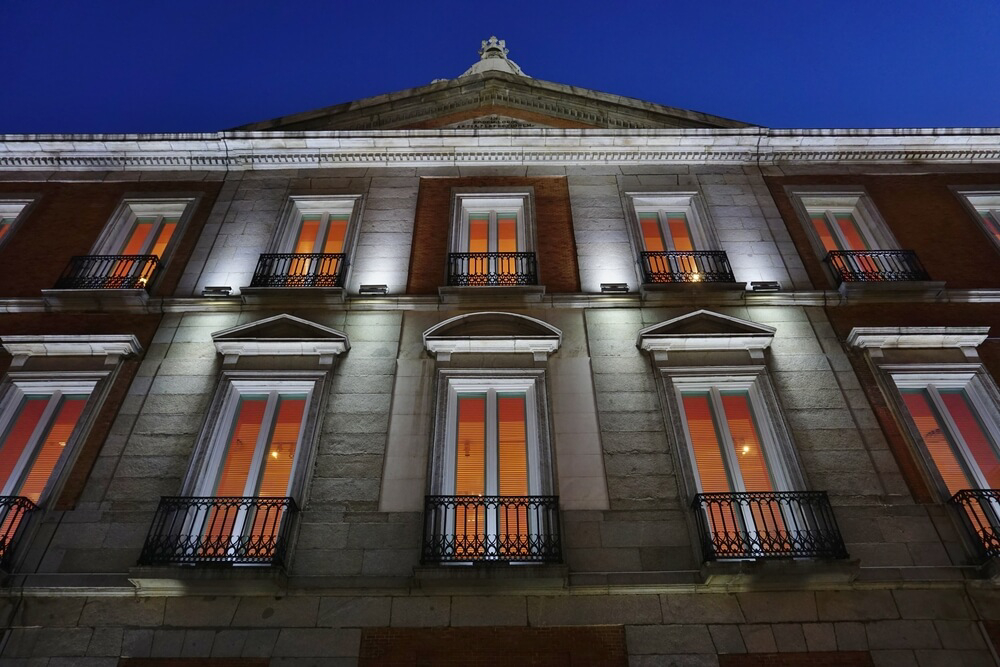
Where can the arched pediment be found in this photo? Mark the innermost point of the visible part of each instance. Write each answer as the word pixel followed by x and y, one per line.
pixel 281 335
pixel 706 330
pixel 493 333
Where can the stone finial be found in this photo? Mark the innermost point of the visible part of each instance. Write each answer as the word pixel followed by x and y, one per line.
pixel 493 48
pixel 493 58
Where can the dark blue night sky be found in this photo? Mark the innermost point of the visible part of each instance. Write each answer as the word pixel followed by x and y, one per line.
pixel 185 66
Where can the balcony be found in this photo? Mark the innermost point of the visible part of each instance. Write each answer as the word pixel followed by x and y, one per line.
pixel 697 266
pixel 15 512
pixel 108 272
pixel 492 269
pixel 767 524
pixel 491 529
pixel 291 269
pixel 876 266
pixel 220 531
pixel 979 510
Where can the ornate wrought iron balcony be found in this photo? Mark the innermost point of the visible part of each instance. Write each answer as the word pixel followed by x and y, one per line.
pixel 696 266
pixel 491 529
pixel 492 269
pixel 979 510
pixel 299 269
pixel 108 272
pixel 15 512
pixel 875 265
pixel 229 531
pixel 767 524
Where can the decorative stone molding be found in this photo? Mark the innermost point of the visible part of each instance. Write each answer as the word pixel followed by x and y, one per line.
pixel 111 346
pixel 704 330
pixel 492 333
pixel 876 339
pixel 281 335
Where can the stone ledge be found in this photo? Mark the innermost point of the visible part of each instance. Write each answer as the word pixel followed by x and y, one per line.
pixel 490 577
pixel 208 579
pixel 95 299
pixel 284 296
pixel 768 573
pixel 692 292
pixel 879 291
pixel 506 295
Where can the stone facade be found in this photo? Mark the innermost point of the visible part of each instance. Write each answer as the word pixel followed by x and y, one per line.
pixel 353 589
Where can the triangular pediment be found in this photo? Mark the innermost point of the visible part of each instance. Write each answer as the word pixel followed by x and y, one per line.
pixel 497 97
pixel 492 332
pixel 705 330
pixel 281 335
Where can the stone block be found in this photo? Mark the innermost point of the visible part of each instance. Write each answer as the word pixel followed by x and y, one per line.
pixel 167 643
pixel 51 642
pixel 137 643
pixel 767 607
pixel 49 611
pixel 961 635
pixel 317 642
pixel 195 611
pixel 668 639
pixel 788 637
pixel 286 612
pixel 903 634
pixel 420 611
pixel 197 643
pixel 933 604
pixel 106 642
pixel 701 608
pixel 727 639
pixel 594 610
pixel 354 612
pixel 476 610
pixel 820 636
pixel 855 605
pixel 129 612
pixel 758 638
pixel 260 643
pixel 850 636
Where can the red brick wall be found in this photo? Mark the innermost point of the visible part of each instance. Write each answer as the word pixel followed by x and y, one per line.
pixel 67 219
pixel 556 249
pixel 816 659
pixel 585 646
pixel 923 214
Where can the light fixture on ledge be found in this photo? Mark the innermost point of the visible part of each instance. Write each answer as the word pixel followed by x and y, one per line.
pixel 217 290
pixel 765 286
pixel 614 288
pixel 373 289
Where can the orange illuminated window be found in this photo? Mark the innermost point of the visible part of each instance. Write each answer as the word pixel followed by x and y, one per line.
pixel 10 211
pixel 491 231
pixel 35 429
pixel 666 230
pixel 991 221
pixel 6 224
pixel 838 230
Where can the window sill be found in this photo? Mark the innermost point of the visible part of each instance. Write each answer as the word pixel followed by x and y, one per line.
pixel 877 291
pixel 95 299
pixel 209 579
pixel 682 292
pixel 513 294
pixel 491 577
pixel 276 296
pixel 762 572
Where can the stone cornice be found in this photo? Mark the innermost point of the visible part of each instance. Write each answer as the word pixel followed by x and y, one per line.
pixel 240 151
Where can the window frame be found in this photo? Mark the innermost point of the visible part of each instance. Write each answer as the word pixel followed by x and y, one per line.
pixel 492 200
pixel 451 383
pixel 16 386
pixel 213 437
pixel 689 202
pixel 983 395
pixel 298 206
pixel 830 201
pixel 779 450
pixel 16 209
pixel 990 202
pixel 116 232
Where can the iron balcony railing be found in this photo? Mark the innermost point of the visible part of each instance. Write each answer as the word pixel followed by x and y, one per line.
pixel 696 266
pixel 767 524
pixel 491 529
pixel 15 513
pixel 979 510
pixel 492 269
pixel 222 530
pixel 108 272
pixel 875 265
pixel 299 269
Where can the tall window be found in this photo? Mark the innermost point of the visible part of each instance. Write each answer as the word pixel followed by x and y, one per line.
pixel 37 420
pixel 987 209
pixel 843 221
pixel 10 213
pixel 492 240
pixel 144 227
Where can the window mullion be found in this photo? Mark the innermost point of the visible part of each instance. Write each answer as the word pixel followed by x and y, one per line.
pixel 726 441
pixel 665 235
pixel 835 231
pixel 24 461
pixel 263 437
pixel 492 447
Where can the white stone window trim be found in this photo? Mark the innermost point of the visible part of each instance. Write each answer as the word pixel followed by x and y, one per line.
pixel 212 442
pixel 55 384
pixel 855 201
pixel 978 201
pixel 779 450
pixel 981 391
pixel 541 471
pixel 240 341
pixel 466 201
pixel 116 233
pixel 16 210
pixel 756 339
pixel 540 347
pixel 111 346
pixel 689 202
pixel 876 339
pixel 298 206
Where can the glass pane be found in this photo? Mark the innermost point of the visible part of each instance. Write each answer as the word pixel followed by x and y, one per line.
pixel 19 433
pixel 506 232
pixel 972 431
pixel 479 232
pixel 470 464
pixel 652 240
pixel 5 225
pixel 281 450
pixel 238 457
pixel 746 441
pixel 308 233
pixel 711 469
pixel 680 232
pixel 822 227
pixel 163 239
pixel 335 234
pixel 50 450
pixel 512 445
pixel 140 234
pixel 991 220
pixel 936 440
pixel 852 234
